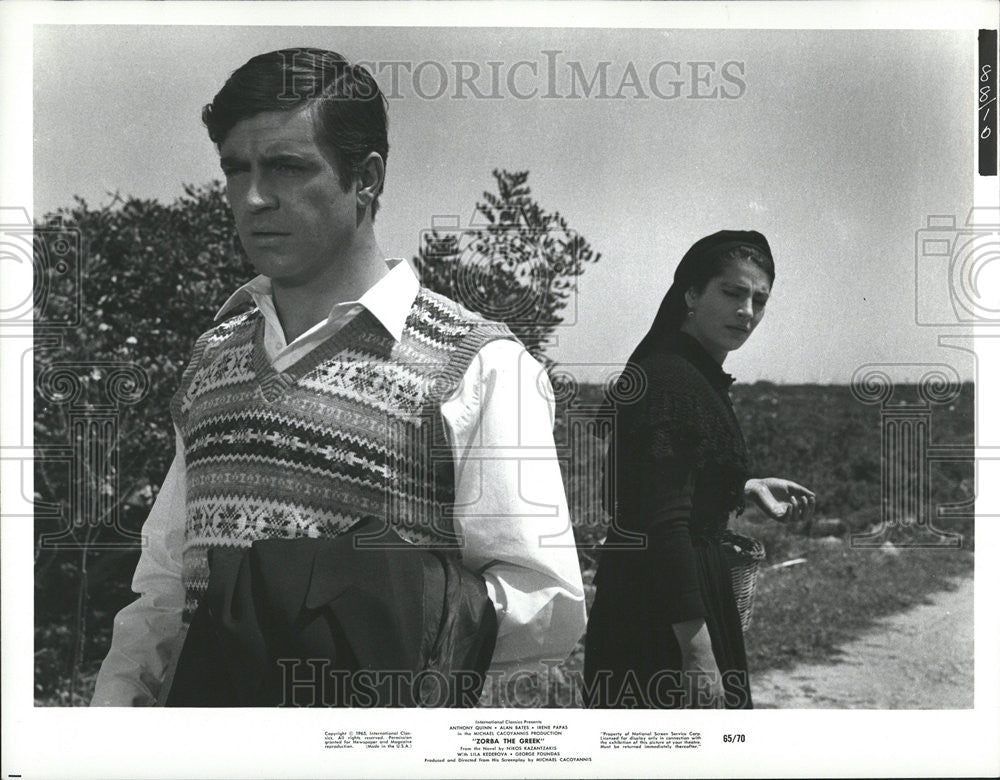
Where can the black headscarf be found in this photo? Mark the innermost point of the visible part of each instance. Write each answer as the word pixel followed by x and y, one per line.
pixel 689 272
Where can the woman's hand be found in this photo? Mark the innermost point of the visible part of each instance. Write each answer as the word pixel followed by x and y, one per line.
pixel 702 682
pixel 781 499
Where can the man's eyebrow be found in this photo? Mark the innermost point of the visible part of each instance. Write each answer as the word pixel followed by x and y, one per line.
pixel 232 161
pixel 284 154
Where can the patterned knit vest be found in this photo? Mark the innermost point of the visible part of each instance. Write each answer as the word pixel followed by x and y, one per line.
pixel 352 430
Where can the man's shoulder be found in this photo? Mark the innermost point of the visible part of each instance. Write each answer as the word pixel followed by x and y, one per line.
pixel 461 335
pixel 236 329
pixel 451 317
pixel 450 309
pixel 231 326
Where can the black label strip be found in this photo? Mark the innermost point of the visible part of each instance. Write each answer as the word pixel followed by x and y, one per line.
pixel 986 92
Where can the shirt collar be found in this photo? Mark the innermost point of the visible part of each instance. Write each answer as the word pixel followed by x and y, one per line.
pixel 389 300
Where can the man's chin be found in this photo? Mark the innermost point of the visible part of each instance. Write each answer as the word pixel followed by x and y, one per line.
pixel 283 276
pixel 274 266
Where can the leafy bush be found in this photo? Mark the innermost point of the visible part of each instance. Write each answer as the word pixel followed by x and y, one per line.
pixel 151 278
pixel 516 263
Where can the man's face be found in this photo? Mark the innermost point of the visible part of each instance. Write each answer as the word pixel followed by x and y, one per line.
pixel 292 215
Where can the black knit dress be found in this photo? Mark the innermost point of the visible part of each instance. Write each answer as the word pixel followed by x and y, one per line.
pixel 677 464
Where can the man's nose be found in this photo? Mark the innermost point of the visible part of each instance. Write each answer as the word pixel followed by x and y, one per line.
pixel 746 308
pixel 259 196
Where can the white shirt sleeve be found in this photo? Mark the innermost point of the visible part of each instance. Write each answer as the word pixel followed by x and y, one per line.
pixel 148 632
pixel 510 505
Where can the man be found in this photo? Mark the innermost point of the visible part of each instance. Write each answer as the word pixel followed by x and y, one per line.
pixel 288 414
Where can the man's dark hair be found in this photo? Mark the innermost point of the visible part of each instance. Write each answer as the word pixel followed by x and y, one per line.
pixel 350 109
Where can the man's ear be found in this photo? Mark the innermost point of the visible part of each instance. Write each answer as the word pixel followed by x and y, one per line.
pixel 369 183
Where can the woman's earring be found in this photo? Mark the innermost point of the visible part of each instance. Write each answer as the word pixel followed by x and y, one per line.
pixel 690 312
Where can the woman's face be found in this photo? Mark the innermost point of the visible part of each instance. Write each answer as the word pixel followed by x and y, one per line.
pixel 725 313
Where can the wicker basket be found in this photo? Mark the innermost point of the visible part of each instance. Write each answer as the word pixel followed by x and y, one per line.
pixel 743 556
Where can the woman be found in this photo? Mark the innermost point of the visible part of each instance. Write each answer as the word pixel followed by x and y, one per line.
pixel 664 630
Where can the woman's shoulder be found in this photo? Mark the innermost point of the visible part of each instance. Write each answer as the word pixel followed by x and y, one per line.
pixel 675 390
pixel 672 373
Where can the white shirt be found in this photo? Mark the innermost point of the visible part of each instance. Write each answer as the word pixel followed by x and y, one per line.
pixel 510 506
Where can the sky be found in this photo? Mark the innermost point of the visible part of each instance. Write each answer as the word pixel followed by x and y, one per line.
pixel 836 144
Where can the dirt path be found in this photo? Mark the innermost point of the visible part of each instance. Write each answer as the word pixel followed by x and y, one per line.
pixel 918 659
